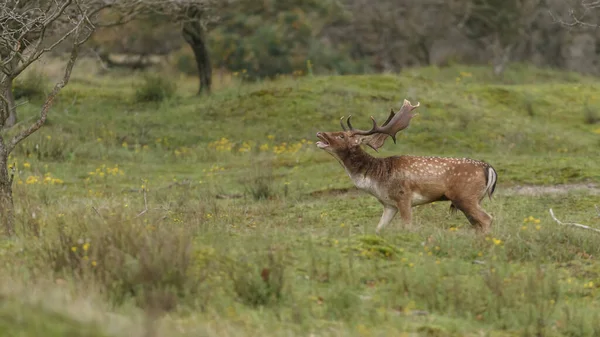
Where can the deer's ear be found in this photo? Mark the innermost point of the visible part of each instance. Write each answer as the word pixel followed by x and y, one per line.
pixel 374 141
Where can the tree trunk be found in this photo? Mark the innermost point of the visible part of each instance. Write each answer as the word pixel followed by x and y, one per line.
pixel 8 109
pixel 7 211
pixel 193 33
pixel 12 108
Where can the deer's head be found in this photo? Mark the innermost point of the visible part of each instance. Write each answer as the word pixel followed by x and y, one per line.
pixel 349 140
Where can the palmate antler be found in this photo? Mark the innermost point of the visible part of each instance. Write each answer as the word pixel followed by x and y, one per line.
pixel 395 122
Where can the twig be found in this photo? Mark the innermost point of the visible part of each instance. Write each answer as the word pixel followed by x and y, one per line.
pixel 572 224
pixel 145 201
pixel 597 209
pixel 95 210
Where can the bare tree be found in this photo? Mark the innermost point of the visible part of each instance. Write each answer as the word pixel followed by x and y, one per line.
pixel 579 13
pixel 28 30
pixel 194 33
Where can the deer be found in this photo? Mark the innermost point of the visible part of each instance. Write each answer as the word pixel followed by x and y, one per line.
pixel 404 181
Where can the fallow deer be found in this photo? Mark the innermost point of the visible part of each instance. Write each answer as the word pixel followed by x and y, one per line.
pixel 402 182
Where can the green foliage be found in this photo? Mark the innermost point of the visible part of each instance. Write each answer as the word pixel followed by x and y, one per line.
pixel 155 88
pixel 185 62
pixel 265 39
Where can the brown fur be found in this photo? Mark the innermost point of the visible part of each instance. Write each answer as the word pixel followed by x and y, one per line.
pixel 402 182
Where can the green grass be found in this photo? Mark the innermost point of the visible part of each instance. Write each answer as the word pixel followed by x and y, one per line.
pixel 18 319
pixel 218 216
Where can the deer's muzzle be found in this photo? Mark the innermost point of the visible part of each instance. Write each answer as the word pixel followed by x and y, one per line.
pixel 323 143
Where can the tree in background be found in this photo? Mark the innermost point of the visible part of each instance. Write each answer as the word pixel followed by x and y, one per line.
pixel 194 32
pixel 577 13
pixel 396 33
pixel 151 29
pixel 263 39
pixel 136 42
pixel 500 25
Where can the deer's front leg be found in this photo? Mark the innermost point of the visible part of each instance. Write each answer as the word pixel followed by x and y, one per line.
pixel 405 207
pixel 386 217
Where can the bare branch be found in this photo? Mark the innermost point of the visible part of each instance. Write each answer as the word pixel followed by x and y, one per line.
pixel 50 99
pixel 35 56
pixel 577 15
pixel 572 224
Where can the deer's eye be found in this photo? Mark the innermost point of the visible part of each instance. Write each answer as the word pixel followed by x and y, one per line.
pixel 342 136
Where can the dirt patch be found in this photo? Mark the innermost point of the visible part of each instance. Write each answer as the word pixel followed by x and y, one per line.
pixel 552 189
pixel 532 190
pixel 331 192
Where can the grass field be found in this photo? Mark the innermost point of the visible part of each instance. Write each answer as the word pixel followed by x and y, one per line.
pixel 218 216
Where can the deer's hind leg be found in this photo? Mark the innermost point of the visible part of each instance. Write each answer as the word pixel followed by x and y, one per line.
pixel 476 215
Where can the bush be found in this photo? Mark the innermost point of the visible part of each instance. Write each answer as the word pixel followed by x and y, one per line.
pixel 591 115
pixel 31 85
pixel 156 88
pixel 267 39
pixel 153 265
pixel 185 62
pixel 260 184
pixel 257 285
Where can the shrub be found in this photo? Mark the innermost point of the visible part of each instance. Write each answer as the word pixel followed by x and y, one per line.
pixel 32 85
pixel 153 265
pixel 185 62
pixel 261 283
pixel 591 115
pixel 260 184
pixel 155 88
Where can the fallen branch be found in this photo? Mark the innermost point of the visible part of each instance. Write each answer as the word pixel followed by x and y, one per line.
pixel 572 223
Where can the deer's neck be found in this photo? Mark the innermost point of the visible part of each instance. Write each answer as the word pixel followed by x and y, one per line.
pixel 359 163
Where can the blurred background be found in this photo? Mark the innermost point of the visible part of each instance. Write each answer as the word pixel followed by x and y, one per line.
pixel 264 39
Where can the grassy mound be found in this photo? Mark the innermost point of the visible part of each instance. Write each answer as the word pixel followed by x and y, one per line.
pixel 221 211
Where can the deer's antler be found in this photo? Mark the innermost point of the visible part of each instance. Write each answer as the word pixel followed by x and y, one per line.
pixel 396 122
